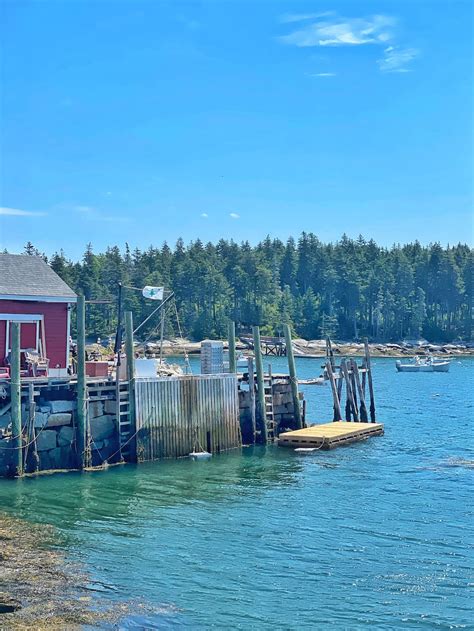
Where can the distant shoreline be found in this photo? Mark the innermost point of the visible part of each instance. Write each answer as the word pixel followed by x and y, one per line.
pixel 316 349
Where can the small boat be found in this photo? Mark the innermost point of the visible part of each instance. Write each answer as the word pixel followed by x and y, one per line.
pixel 241 361
pixel 316 381
pixel 424 364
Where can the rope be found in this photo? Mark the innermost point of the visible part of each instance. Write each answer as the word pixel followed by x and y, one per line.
pixel 186 356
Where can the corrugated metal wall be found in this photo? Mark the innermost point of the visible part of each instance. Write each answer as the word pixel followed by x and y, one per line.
pixel 178 415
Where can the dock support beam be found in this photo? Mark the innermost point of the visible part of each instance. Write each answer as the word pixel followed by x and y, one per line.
pixel 262 416
pixel 369 380
pixel 15 385
pixel 81 439
pixel 130 352
pixel 293 377
pixel 232 360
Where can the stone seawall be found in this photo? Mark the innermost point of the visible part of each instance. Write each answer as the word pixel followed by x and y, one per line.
pixel 55 428
pixel 283 408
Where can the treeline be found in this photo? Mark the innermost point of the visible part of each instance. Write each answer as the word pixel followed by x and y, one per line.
pixel 348 289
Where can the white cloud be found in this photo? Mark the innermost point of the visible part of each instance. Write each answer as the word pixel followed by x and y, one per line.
pixel 323 74
pixel 339 31
pixel 288 18
pixel 18 212
pixel 395 59
pixel 234 216
pixel 204 215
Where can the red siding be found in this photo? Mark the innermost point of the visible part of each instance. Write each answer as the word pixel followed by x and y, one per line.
pixel 55 325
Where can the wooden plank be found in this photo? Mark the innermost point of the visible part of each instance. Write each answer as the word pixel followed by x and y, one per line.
pixel 329 435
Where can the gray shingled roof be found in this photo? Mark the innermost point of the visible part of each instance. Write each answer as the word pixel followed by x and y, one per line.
pixel 24 275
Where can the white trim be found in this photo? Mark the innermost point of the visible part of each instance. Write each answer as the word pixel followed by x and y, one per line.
pixel 68 336
pixel 68 299
pixel 21 317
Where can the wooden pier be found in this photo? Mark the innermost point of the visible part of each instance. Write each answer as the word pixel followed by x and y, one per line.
pixel 330 435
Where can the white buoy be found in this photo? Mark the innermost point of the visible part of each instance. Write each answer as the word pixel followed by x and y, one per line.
pixel 200 455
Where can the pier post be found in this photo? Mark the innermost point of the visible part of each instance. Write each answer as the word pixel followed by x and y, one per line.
pixel 252 396
pixel 332 381
pixel 232 359
pixel 350 404
pixel 33 461
pixel 369 380
pixel 15 386
pixel 293 377
pixel 81 439
pixel 362 407
pixel 260 384
pixel 130 352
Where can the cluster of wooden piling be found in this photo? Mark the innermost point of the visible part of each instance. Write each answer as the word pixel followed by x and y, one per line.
pixel 355 378
pixel 263 422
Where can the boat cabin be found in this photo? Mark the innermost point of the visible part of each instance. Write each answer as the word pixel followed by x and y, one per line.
pixel 32 294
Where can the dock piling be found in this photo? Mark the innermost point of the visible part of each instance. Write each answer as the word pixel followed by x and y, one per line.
pixel 362 406
pixel 262 412
pixel 81 440
pixel 232 359
pixel 369 380
pixel 335 396
pixel 252 397
pixel 351 406
pixel 15 385
pixel 293 377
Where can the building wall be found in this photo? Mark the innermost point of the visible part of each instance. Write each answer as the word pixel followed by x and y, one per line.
pixel 55 316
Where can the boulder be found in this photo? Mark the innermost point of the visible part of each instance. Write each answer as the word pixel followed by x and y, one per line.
pixel 60 418
pixel 66 436
pixel 55 456
pixel 110 406
pixel 102 427
pixel 46 440
pixel 61 406
pixel 96 408
pixel 41 418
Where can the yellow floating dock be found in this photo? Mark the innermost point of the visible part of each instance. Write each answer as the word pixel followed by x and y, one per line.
pixel 330 435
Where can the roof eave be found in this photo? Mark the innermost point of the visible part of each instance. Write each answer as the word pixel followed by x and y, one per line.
pixel 68 299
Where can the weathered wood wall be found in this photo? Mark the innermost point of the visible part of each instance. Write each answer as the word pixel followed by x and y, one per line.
pixel 178 415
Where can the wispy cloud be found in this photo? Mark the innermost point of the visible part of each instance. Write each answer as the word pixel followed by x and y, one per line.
pixel 339 31
pixel 289 18
pixel 396 59
pixel 330 30
pixel 204 215
pixel 322 74
pixel 234 216
pixel 18 212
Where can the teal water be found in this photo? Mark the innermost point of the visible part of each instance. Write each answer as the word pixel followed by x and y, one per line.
pixel 378 534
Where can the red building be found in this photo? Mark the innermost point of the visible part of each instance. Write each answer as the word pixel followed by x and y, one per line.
pixel 34 295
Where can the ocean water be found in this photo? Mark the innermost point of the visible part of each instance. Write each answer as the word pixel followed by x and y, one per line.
pixel 375 535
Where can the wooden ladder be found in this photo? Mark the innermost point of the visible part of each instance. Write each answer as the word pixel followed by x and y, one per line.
pixel 267 388
pixel 123 416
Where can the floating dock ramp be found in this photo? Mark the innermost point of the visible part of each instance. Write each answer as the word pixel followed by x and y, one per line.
pixel 330 435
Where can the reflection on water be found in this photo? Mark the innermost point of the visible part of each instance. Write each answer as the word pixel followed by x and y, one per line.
pixel 377 534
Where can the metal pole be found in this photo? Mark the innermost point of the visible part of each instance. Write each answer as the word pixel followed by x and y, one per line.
pixel 232 359
pixel 260 384
pixel 15 386
pixel 162 334
pixel 293 377
pixel 130 351
pixel 81 440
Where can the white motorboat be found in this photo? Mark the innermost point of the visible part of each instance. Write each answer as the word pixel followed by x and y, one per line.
pixel 424 364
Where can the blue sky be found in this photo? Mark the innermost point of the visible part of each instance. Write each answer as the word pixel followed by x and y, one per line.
pixel 145 121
